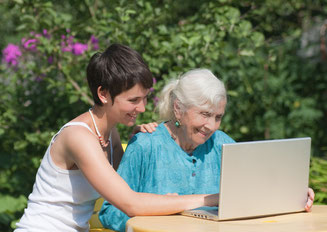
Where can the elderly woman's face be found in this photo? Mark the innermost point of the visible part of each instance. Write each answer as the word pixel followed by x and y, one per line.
pixel 198 125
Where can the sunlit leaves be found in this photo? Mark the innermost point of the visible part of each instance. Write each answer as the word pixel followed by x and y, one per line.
pixel 262 50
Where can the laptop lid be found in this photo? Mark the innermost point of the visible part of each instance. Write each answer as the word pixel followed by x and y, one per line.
pixel 264 178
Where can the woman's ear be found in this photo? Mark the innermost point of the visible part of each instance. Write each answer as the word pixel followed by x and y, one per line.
pixel 177 110
pixel 103 95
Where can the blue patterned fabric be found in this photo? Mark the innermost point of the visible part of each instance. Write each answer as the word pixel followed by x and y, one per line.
pixel 155 163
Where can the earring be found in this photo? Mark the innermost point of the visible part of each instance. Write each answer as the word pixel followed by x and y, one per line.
pixel 105 101
pixel 177 123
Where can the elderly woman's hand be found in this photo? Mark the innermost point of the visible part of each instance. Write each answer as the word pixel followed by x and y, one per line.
pixel 311 196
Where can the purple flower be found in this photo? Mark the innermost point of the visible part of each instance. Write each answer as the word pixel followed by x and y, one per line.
pixel 79 48
pixel 154 81
pixel 29 44
pixel 95 47
pixel 94 42
pixel 66 44
pixel 50 59
pixel 11 54
pixel 155 100
pixel 70 39
pixel 46 34
pixel 65 48
pixel 40 77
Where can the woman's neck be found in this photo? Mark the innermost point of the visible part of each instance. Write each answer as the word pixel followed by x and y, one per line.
pixel 179 136
pixel 102 122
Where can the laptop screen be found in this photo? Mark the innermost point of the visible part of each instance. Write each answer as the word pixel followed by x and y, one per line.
pixel 264 177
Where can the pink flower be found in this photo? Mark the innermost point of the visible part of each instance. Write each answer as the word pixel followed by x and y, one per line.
pixel 95 47
pixel 67 43
pixel 70 39
pixel 38 79
pixel 46 34
pixel 29 44
pixel 50 59
pixel 155 100
pixel 79 48
pixel 94 42
pixel 65 48
pixel 11 54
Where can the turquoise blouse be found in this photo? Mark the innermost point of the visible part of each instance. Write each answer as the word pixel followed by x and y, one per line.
pixel 155 163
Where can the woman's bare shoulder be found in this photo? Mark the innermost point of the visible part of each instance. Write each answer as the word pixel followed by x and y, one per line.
pixel 71 141
pixel 77 136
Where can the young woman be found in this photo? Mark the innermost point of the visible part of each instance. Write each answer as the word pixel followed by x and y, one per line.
pixel 75 170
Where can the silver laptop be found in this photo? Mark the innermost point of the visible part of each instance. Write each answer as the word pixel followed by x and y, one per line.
pixel 261 178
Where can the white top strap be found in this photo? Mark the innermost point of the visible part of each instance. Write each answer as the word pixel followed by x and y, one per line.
pixel 71 124
pixel 86 126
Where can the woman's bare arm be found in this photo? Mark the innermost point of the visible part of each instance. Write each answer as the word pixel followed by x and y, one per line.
pixel 89 157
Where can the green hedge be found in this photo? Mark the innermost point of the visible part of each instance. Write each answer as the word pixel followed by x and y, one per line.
pixel 264 52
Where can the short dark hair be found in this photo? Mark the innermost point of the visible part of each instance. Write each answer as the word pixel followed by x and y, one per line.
pixel 117 69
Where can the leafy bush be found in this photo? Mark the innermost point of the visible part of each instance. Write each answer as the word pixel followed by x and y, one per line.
pixel 318 179
pixel 274 74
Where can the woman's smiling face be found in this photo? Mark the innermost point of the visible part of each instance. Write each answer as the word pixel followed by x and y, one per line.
pixel 129 104
pixel 198 125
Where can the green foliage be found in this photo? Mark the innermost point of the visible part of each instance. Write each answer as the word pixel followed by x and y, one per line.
pixel 9 207
pixel 266 52
pixel 318 179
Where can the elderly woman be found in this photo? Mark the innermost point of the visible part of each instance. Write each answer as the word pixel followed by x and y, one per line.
pixel 183 154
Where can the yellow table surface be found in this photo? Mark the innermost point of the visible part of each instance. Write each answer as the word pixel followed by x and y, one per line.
pixel 313 221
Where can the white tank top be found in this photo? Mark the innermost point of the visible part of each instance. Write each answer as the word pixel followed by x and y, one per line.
pixel 62 200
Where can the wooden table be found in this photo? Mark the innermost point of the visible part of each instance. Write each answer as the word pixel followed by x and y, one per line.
pixel 313 221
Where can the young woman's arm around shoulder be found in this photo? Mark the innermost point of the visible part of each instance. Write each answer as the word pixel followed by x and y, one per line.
pixel 84 150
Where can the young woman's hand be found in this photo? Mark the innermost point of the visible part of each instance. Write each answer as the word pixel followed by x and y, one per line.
pixel 149 127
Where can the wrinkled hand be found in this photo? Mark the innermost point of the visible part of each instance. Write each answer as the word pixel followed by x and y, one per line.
pixel 311 197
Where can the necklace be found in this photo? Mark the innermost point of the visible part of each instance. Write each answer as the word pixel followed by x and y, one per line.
pixel 103 144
